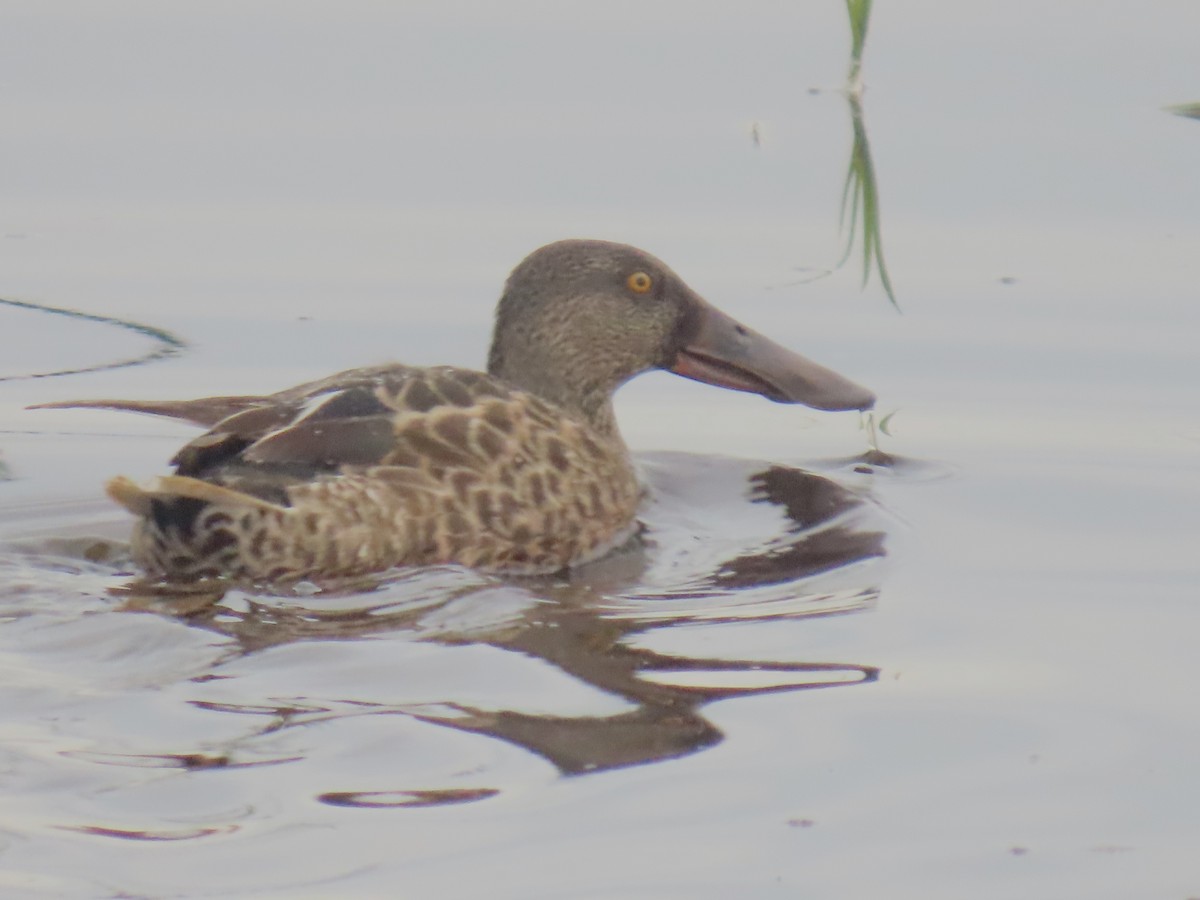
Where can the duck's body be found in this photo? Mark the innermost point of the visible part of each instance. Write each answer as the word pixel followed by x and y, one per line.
pixel 375 467
pixel 521 469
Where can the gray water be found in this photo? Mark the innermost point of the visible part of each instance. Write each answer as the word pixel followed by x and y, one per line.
pixel 973 678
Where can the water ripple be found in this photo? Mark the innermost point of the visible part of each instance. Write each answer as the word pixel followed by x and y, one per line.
pixel 561 667
pixel 164 343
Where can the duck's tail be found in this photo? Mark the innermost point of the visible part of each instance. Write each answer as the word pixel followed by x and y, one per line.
pixel 206 412
pixel 138 499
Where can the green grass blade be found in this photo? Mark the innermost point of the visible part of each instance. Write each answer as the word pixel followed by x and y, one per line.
pixel 1191 110
pixel 860 207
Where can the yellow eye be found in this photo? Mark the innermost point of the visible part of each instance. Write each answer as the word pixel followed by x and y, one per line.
pixel 639 282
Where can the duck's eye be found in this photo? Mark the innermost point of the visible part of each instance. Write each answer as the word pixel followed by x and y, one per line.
pixel 639 282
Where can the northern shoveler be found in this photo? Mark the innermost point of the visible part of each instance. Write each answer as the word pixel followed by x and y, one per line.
pixel 518 470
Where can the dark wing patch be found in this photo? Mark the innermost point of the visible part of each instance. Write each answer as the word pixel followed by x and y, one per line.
pixel 390 415
pixel 419 397
pixel 344 427
pixel 352 403
pixel 207 451
pixel 228 438
pixel 356 441
pixel 455 392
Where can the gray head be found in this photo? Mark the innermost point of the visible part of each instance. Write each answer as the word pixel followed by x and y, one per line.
pixel 579 318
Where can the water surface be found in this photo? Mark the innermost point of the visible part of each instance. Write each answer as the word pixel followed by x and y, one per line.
pixel 969 674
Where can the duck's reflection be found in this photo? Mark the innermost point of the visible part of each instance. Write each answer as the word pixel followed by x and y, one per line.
pixel 666 721
pixel 584 625
pixel 816 540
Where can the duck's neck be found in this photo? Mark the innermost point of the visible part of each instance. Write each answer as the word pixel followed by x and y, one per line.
pixel 570 384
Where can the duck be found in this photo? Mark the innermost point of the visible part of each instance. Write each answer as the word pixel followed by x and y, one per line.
pixel 519 469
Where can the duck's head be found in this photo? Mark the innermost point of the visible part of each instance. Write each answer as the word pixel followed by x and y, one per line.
pixel 579 318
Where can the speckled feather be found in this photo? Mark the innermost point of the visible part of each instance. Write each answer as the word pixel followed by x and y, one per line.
pixel 374 468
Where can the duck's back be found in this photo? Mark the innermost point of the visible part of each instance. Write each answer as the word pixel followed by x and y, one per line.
pixel 378 467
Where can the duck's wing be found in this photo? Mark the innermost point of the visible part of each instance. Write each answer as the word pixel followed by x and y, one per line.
pixel 386 416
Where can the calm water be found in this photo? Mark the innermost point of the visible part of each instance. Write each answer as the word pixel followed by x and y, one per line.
pixel 968 675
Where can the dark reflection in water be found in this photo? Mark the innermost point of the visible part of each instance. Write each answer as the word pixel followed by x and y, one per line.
pixel 393 799
pixel 809 502
pixel 191 762
pixel 165 344
pixel 707 556
pixel 132 834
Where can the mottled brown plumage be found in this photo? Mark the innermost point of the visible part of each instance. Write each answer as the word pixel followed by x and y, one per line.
pixel 519 470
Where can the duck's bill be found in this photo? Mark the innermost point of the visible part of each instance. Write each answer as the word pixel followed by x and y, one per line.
pixel 719 350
